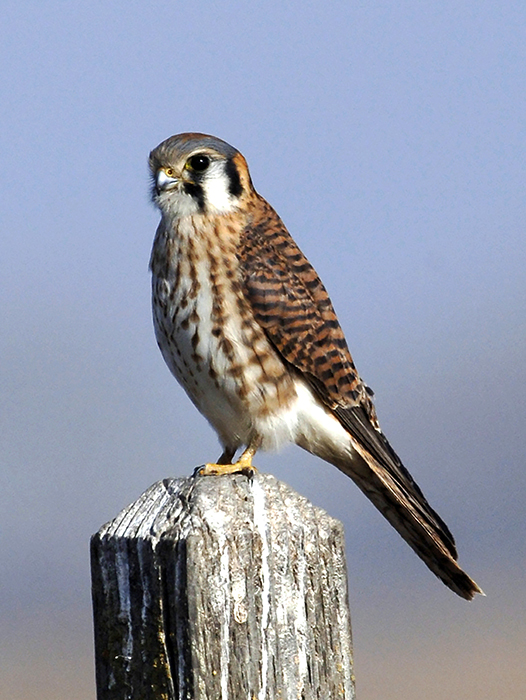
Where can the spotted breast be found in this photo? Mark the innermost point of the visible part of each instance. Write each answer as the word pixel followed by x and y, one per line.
pixel 207 335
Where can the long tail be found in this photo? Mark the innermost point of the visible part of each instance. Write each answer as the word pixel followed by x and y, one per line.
pixel 387 483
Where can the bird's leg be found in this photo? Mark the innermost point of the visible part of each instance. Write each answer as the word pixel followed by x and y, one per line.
pixel 242 466
pixel 245 461
pixel 227 455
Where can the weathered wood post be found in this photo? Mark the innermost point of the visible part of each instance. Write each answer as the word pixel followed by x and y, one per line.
pixel 221 588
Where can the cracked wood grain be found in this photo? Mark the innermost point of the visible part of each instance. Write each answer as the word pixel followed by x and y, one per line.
pixel 221 588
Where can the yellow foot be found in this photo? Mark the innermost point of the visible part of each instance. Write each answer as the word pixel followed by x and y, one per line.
pixel 220 469
pixel 242 466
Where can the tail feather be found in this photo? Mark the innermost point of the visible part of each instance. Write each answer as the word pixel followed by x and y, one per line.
pixel 420 533
pixel 385 481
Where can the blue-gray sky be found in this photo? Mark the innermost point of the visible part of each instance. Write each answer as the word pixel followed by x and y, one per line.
pixel 391 140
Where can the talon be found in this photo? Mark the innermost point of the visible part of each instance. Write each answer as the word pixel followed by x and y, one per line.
pixel 249 470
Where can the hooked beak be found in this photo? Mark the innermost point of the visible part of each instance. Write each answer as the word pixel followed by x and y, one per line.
pixel 164 182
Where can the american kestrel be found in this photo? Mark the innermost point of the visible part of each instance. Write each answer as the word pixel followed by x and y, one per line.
pixel 246 326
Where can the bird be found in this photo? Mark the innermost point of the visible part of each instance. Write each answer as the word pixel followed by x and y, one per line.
pixel 246 326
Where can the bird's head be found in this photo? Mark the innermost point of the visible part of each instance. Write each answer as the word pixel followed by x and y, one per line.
pixel 196 173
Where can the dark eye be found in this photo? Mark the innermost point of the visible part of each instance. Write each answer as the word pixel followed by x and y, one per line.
pixel 199 163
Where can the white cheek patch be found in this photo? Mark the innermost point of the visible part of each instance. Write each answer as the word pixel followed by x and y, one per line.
pixel 215 185
pixel 176 203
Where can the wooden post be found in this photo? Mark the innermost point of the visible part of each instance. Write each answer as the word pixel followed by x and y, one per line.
pixel 221 588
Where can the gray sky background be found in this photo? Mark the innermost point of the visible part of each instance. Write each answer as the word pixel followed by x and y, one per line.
pixel 390 137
